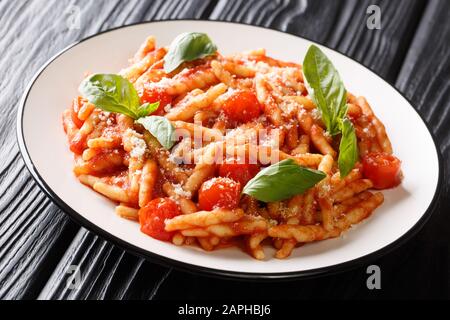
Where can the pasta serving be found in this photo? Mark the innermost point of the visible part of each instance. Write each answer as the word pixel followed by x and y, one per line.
pixel 242 150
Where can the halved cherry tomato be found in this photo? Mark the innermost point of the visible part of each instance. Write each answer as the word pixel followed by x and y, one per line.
pixel 78 143
pixel 77 104
pixel 382 169
pixel 240 172
pixel 219 193
pixel 152 95
pixel 152 218
pixel 242 106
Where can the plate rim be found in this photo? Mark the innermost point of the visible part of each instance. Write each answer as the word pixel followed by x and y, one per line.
pixel 194 269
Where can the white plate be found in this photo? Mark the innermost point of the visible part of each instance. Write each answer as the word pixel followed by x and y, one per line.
pixel 44 147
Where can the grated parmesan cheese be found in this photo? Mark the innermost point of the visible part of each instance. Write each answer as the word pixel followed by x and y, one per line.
pixel 104 115
pixel 273 222
pixel 178 189
pixel 163 83
pixel 270 140
pixel 208 184
pixel 262 67
pixel 139 147
pixel 167 108
pixel 326 187
pixel 316 114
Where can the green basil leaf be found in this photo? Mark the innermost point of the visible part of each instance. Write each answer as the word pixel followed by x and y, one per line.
pixel 188 47
pixel 348 150
pixel 161 129
pixel 329 94
pixel 112 93
pixel 282 181
pixel 147 109
pixel 326 88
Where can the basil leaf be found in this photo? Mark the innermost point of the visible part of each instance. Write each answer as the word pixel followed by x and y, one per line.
pixel 348 150
pixel 326 88
pixel 329 94
pixel 147 109
pixel 282 181
pixel 188 47
pixel 111 93
pixel 161 129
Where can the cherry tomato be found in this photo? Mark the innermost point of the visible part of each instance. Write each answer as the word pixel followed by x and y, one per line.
pixel 152 95
pixel 219 193
pixel 78 143
pixel 77 104
pixel 383 170
pixel 152 218
pixel 240 172
pixel 242 106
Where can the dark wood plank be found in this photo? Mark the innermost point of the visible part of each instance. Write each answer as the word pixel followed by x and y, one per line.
pixel 34 234
pixel 338 24
pixel 381 50
pixel 109 272
pixel 420 268
pixel 294 17
pixel 424 79
pixel 106 272
pixel 31 241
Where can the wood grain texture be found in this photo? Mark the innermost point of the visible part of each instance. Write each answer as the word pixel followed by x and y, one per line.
pixel 34 233
pixel 106 272
pixel 338 24
pixel 425 81
pixel 38 243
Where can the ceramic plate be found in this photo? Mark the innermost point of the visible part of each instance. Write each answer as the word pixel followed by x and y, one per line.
pixel 44 147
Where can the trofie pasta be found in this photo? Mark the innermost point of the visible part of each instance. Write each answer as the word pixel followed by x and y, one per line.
pixel 242 150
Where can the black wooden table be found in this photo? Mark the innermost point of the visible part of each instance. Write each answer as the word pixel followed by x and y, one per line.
pixel 39 243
